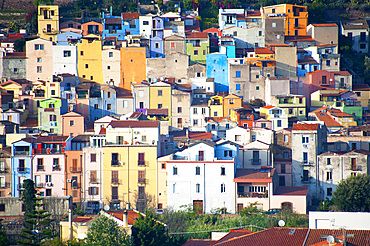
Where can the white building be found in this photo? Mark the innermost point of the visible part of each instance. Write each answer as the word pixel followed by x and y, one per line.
pixel 65 59
pixel 198 112
pixel 358 31
pixel 249 37
pixel 239 135
pixel 339 220
pixel 202 176
pixel 146 25
pixel 255 155
pixel 111 62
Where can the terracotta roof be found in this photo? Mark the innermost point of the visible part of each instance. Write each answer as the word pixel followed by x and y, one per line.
pixel 306 127
pixel 112 21
pixel 49 139
pixel 130 16
pixel 252 175
pixel 133 123
pixel 327 119
pixel 360 87
pixel 30 122
pixel 217 119
pixel 298 38
pixel 15 55
pixel 157 111
pixel 339 113
pixel 291 191
pixel 131 215
pixel 253 13
pixel 200 135
pixel 233 234
pixel 342 73
pixel 355 24
pixel 263 51
pixel 325 45
pixel 307 60
pixel 268 107
pixel 326 24
pixel 82 219
pixel 361 237
pixel 199 242
pixel 103 131
pixel 273 237
pixel 135 114
pixel 197 35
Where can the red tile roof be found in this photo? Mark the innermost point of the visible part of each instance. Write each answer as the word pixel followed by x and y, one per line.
pixel 51 139
pixel 291 191
pixel 200 135
pixel 327 119
pixel 298 38
pixel 268 107
pixel 103 131
pixel 131 215
pixel 273 237
pixel 326 24
pixel 361 87
pixel 82 219
pixel 232 234
pixel 157 111
pixel 306 127
pixel 130 16
pixel 199 242
pixel 197 35
pixel 263 51
pixel 342 73
pixel 361 237
pixel 30 122
pixel 252 175
pixel 217 119
pixel 253 13
pixel 133 123
pixel 112 20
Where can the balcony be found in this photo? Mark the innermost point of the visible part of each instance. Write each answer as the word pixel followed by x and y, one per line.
pixel 141 181
pixel 56 168
pixel 39 185
pixel 115 197
pixel 4 185
pixel 49 151
pixel 75 169
pixel 50 31
pixel 255 161
pixel 4 170
pixel 324 83
pixel 253 195
pixel 115 163
pixel 39 94
pixel 23 170
pixel 20 187
pixel 142 163
pixel 116 181
pixel 40 168
pixel 306 163
pixel 21 152
pixel 94 180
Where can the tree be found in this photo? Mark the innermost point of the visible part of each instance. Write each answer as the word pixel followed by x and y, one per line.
pixel 37 225
pixel 148 232
pixel 353 194
pixel 105 231
pixel 144 202
pixel 19 45
pixel 3 237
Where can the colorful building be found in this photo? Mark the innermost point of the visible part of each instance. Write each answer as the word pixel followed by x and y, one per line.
pixel 89 59
pixel 216 107
pixel 231 101
pixel 133 66
pixel 48 21
pixel 160 97
pixel 197 47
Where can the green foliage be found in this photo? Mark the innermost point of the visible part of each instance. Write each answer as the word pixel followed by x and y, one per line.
pixel 3 237
pixel 316 12
pixel 325 205
pixel 146 231
pixel 19 45
pixel 31 21
pixel 105 231
pixel 78 211
pixel 248 210
pixel 121 6
pixel 37 225
pixel 353 194
pixel 38 2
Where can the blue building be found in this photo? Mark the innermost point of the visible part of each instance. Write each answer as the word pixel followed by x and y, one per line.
pixel 131 23
pixel 21 163
pixel 217 68
pixel 231 17
pixel 156 40
pixel 102 102
pixel 306 63
pixel 67 38
pixel 112 27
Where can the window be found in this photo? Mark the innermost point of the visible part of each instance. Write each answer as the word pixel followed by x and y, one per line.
pixel 235 34
pixel 286 138
pixel 281 181
pixel 197 188
pixel 204 52
pixel 2 207
pixel 109 106
pixel 253 138
pixel 71 123
pixel 305 175
pixel 39 69
pixel 92 77
pixel 273 24
pixel 305 157
pixel 197 170
pixel 353 164
pixel 15 70
pixel 52 117
pixel 203 110
pixel 195 52
pixel 173 188
pixel 96 106
pixel 157 45
pixel 328 63
pixel 39 47
pixel 362 46
pixel 238 74
pixel 48 192
pixel 145 23
pixel 329 191
pixel 179 110
pixel 92 157
pixel 110 54
pixel 328 161
pixel 160 105
pixel 305 139
pixel 198 75
pixel 114 193
pixel 195 111
pixel 278 123
pixel 174 170
pixel 86 65
pixel 67 53
pixel 215 113
pixel 329 175
pixel 237 87
pixel 39 59
pixel 93 191
pixel 141 159
pixel 81 53
pixel 47 178
pixel 195 122
pixel 160 93
pixel 228 125
pixel 223 171
pixel 223 188
pixel 282 168
pixel 228 153
pixel 290 111
pixel 286 155
pixel 257 88
pixel 260 33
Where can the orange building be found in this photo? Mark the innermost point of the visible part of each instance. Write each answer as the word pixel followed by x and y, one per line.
pixel 295 17
pixel 92 27
pixel 231 101
pixel 133 66
pixel 72 124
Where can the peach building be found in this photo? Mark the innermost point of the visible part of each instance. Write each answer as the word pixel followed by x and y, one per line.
pixel 72 124
pixel 133 65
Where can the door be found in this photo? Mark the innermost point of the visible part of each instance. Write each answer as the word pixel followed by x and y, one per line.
pixel 198 206
pixel 201 155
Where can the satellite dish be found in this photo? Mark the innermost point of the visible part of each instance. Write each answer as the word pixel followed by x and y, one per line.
pixel 281 223
pixel 106 207
pixel 330 239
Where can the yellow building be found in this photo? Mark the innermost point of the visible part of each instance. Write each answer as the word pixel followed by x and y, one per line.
pixel 130 175
pixel 231 101
pixel 295 17
pixel 160 97
pixel 89 59
pixel 133 66
pixel 48 21
pixel 216 108
pixel 363 94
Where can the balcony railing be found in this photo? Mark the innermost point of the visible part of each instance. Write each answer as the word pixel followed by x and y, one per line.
pixel 75 169
pixel 49 151
pixel 39 185
pixel 255 161
pixel 40 168
pixel 142 163
pixel 4 185
pixel 141 181
pixel 4 170
pixel 20 187
pixel 326 83
pixel 114 163
pixel 23 169
pixel 56 168
pixel 94 180
pixel 114 197
pixel 115 181
pixel 253 194
pixel 21 152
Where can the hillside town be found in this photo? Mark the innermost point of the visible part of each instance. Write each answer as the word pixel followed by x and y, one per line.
pixel 149 111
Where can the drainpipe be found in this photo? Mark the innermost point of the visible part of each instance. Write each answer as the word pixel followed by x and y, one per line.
pixel 70 224
pixel 204 187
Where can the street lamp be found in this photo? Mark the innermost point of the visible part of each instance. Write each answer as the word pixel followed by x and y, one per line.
pixel 70 210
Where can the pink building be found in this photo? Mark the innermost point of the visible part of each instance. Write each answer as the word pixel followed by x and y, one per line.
pixel 39 62
pixel 72 124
